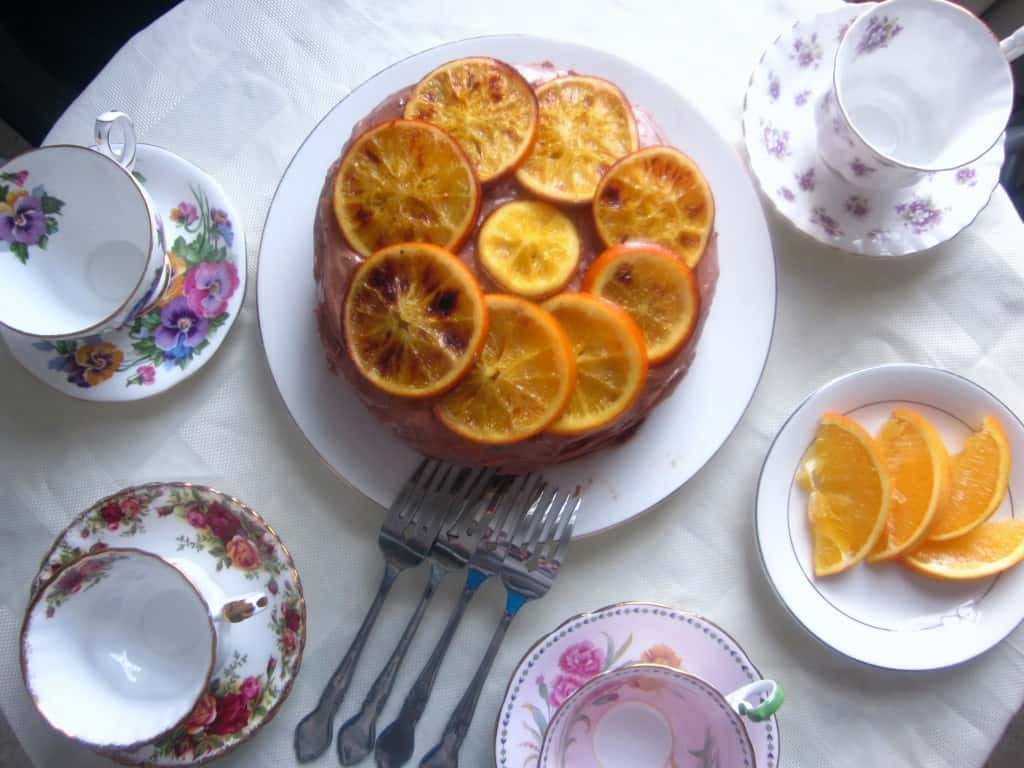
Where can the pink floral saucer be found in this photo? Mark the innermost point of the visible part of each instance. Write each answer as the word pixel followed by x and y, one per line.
pixel 203 236
pixel 609 638
pixel 794 74
pixel 201 528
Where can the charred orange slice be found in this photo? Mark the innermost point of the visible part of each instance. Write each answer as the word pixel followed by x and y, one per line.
pixel 586 124
pixel 405 181
pixel 611 362
pixel 486 105
pixel 529 247
pixel 522 380
pixel 655 288
pixel 414 319
pixel 657 194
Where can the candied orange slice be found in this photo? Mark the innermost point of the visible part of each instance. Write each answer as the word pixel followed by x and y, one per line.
pixel 979 477
pixel 529 247
pixel 657 194
pixel 414 319
pixel 586 124
pixel 655 288
pixel 405 181
pixel 522 380
pixel 844 474
pixel 611 362
pixel 486 105
pixel 986 550
pixel 918 466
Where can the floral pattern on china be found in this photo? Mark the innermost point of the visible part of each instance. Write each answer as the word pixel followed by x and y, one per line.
pixel 28 218
pixel 247 690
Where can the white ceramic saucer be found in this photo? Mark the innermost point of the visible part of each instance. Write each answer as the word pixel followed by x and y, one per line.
pixel 215 538
pixel 792 76
pixel 881 613
pixel 203 234
pixel 609 638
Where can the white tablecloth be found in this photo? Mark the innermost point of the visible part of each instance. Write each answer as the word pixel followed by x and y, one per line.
pixel 234 86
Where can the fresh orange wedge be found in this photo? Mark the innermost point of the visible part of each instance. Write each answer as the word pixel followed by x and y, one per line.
pixel 657 194
pixel 405 181
pixel 987 550
pixel 980 473
pixel 414 319
pixel 655 288
pixel 611 362
pixel 586 124
pixel 844 474
pixel 918 467
pixel 522 380
pixel 486 105
pixel 529 247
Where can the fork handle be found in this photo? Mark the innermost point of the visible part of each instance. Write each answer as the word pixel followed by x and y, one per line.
pixel 397 742
pixel 446 753
pixel 356 737
pixel 314 732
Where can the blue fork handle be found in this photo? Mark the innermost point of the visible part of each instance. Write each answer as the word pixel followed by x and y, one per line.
pixel 314 732
pixel 446 753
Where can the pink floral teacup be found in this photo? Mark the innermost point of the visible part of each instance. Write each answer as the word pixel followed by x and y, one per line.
pixel 919 86
pixel 119 647
pixel 656 716
pixel 81 246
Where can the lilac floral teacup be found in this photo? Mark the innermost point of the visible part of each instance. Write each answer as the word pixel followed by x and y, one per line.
pixel 81 245
pixel 919 86
pixel 654 716
pixel 118 648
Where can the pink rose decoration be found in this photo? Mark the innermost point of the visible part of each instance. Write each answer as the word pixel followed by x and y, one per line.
pixel 582 659
pixel 147 374
pixel 131 506
pixel 564 687
pixel 250 688
pixel 232 715
pixel 289 640
pixel 209 285
pixel 196 518
pixel 242 553
pixel 202 714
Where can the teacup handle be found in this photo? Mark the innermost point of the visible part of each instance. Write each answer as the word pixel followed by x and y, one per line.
pixel 243 607
pixel 105 123
pixel 1013 46
pixel 740 699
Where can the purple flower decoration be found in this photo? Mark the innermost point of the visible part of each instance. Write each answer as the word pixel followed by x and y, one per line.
pixel 966 176
pixel 857 206
pixel 222 225
pixel 807 53
pixel 209 286
pixel 919 214
pixel 786 194
pixel 822 218
pixel 776 142
pixel 843 30
pixel 877 234
pixel 860 168
pixel 805 180
pixel 180 329
pixel 773 87
pixel 801 98
pixel 185 214
pixel 24 223
pixel 878 34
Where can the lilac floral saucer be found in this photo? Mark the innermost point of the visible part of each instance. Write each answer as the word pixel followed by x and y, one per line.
pixel 206 246
pixel 219 541
pixel 794 74
pixel 609 638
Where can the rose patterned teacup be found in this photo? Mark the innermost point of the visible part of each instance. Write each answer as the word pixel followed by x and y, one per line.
pixel 918 87
pixel 81 246
pixel 655 716
pixel 119 647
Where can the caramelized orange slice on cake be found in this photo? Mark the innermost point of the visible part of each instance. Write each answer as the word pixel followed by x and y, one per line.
pixel 486 105
pixel 415 319
pixel 405 181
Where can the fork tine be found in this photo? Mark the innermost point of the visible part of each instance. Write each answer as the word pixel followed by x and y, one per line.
pixel 468 502
pixel 443 476
pixel 416 488
pixel 565 534
pixel 554 533
pixel 505 518
pixel 552 519
pixel 529 519
pixel 541 522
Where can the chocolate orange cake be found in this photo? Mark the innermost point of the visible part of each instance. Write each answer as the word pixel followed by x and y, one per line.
pixel 513 268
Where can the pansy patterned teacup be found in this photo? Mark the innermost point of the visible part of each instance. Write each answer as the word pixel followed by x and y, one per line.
pixel 656 716
pixel 81 246
pixel 919 86
pixel 119 648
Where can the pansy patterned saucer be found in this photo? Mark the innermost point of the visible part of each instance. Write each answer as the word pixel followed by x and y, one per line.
pixel 201 528
pixel 206 249
pixel 609 638
pixel 794 74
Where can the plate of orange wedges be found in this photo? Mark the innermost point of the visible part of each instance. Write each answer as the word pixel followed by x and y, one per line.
pixel 888 517
pixel 454 237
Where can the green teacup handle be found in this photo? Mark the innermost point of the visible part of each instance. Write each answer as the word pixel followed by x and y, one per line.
pixel 771 691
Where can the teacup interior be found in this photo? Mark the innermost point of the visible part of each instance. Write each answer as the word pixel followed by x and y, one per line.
pixel 97 231
pixel 125 652
pixel 924 83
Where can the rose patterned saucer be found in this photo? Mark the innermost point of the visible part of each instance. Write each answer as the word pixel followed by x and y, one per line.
pixel 206 246
pixel 609 638
pixel 794 74
pixel 203 529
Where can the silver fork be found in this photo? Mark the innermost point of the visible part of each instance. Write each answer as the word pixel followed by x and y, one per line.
pixel 511 501
pixel 406 536
pixel 449 552
pixel 530 567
